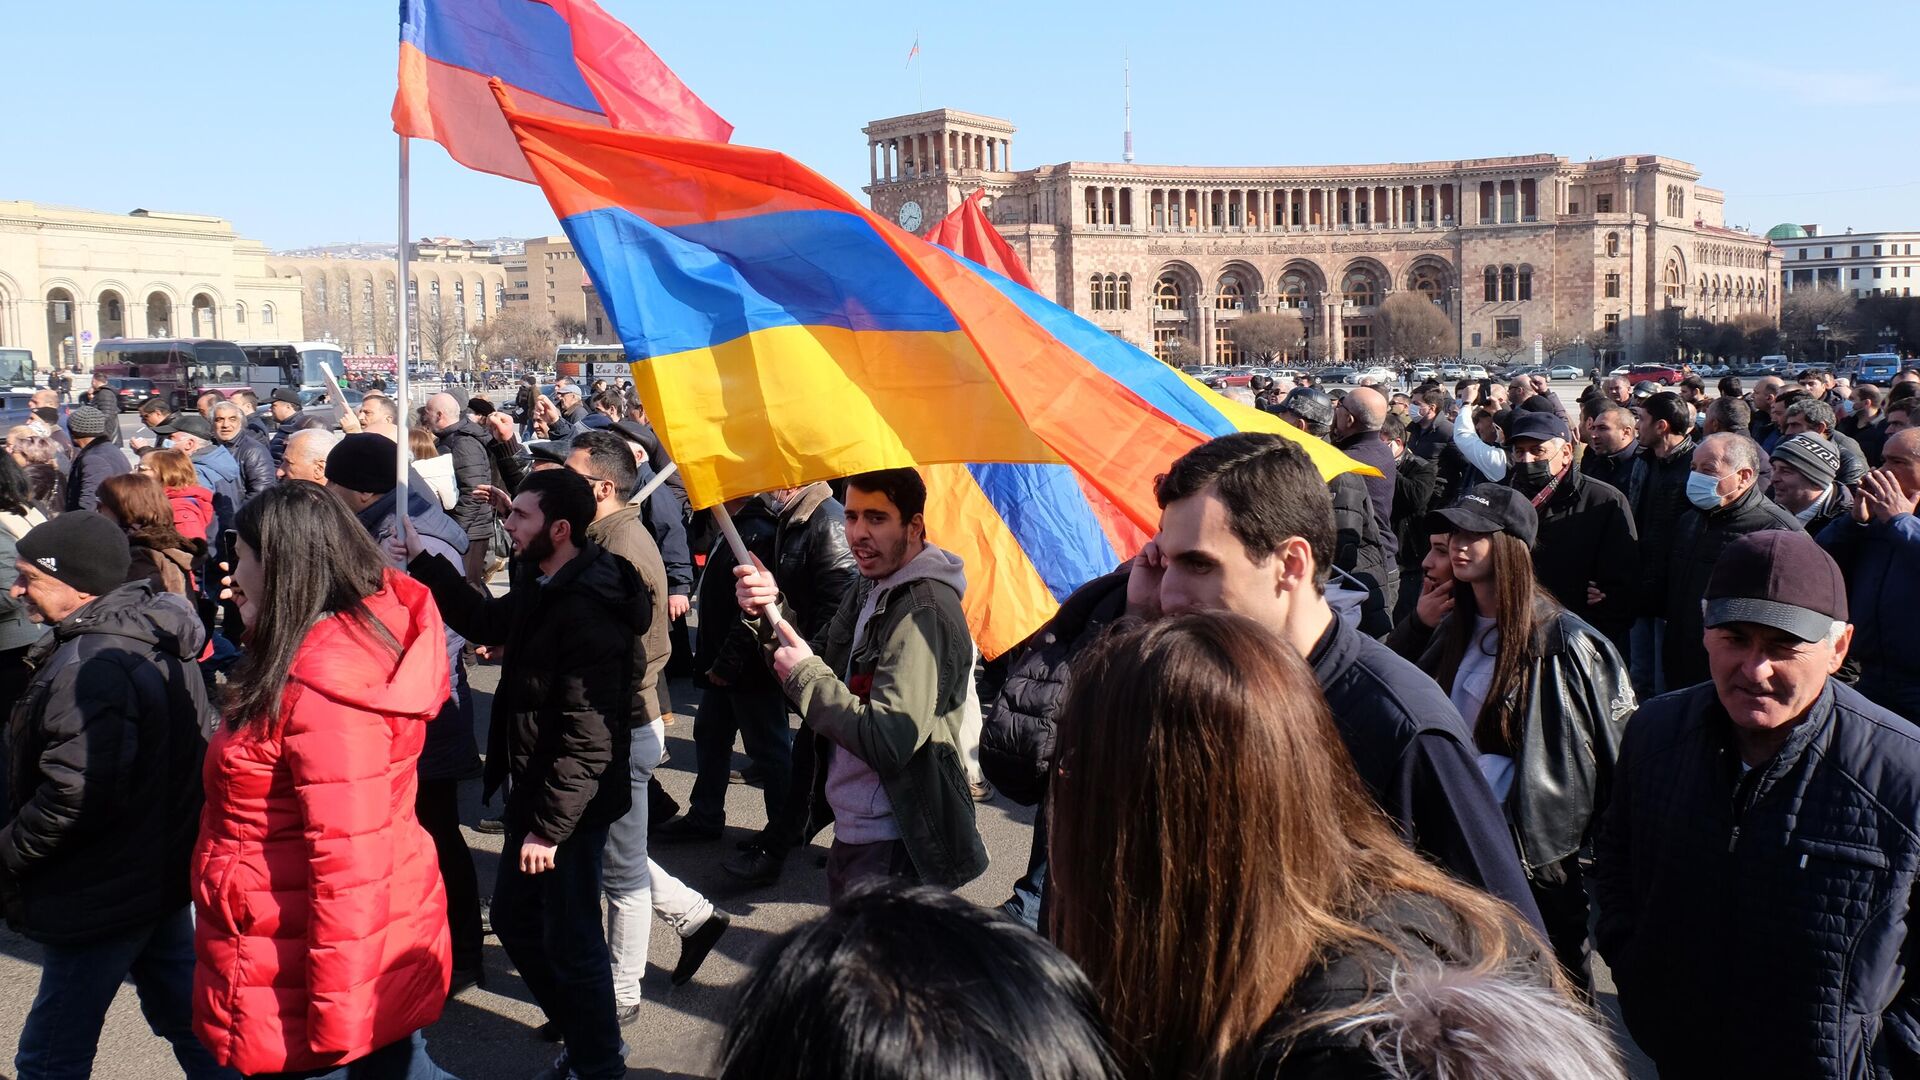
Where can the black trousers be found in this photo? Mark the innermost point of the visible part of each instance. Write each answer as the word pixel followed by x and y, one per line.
pixel 759 717
pixel 1564 908
pixel 437 805
pixel 551 926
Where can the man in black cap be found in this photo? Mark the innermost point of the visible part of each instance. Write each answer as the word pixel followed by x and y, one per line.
pixel 192 435
pixel 1359 547
pixel 1588 554
pixel 285 409
pixel 1756 867
pixel 1805 468
pixel 94 458
pixel 107 745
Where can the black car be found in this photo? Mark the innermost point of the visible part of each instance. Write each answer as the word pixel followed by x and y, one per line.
pixel 132 391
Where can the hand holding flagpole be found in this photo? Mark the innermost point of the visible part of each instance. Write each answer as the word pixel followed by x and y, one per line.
pixel 763 600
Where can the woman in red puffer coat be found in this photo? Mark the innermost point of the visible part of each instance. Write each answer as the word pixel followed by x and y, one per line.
pixel 192 503
pixel 321 929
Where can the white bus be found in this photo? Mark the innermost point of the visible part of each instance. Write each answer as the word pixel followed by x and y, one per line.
pixel 293 364
pixel 589 362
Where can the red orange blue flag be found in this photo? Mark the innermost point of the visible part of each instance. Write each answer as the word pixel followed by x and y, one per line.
pixel 782 333
pixel 564 58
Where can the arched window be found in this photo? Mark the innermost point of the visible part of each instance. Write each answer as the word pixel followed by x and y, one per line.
pixel 1113 293
pixel 1294 290
pixel 1167 294
pixel 320 296
pixel 1126 292
pixel 1429 281
pixel 240 312
pixel 266 314
pixel 1360 287
pixel 1671 283
pixel 499 298
pixel 1613 244
pixel 1506 283
pixel 1526 283
pixel 1492 285
pixel 1231 293
pixel 1096 295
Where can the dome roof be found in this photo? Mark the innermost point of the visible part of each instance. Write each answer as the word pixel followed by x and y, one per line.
pixel 1786 231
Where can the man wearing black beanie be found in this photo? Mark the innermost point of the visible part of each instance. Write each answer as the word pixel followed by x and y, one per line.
pixel 108 739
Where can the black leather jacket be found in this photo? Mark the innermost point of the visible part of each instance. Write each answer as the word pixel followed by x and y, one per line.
pixel 1578 702
pixel 815 567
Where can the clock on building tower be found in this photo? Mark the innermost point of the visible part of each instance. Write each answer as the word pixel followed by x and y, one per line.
pixel 910 216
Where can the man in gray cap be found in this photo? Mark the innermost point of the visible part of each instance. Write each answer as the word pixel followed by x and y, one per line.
pixel 1359 543
pixel 94 458
pixel 1755 869
pixel 1805 468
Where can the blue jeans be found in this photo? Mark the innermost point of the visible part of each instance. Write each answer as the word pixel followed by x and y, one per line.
pixel 760 716
pixel 405 1059
pixel 549 923
pixel 78 984
pixel 1024 905
pixel 1646 665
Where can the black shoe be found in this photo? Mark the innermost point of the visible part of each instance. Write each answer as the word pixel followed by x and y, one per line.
pixel 756 866
pixel 548 1032
pixel 491 826
pixel 465 979
pixel 695 946
pixel 685 830
pixel 626 1014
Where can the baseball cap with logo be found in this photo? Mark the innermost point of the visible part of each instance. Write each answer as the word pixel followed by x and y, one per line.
pixel 1779 578
pixel 1493 508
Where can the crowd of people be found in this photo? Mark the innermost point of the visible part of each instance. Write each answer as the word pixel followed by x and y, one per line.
pixel 1342 779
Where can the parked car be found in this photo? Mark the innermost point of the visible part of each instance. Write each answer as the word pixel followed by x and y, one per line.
pixel 131 391
pixel 1658 373
pixel 1566 372
pixel 1378 376
pixel 1423 372
pixel 1335 374
pixel 1453 371
pixel 1476 371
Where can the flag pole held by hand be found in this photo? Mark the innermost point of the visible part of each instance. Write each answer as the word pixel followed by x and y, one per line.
pixel 742 557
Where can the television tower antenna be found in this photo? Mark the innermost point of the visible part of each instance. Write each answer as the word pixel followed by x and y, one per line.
pixel 1126 153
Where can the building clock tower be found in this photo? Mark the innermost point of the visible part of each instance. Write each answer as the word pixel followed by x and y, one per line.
pixel 925 165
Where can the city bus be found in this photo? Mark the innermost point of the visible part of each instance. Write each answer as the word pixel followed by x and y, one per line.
pixel 589 362
pixel 294 364
pixel 1863 368
pixel 16 369
pixel 181 368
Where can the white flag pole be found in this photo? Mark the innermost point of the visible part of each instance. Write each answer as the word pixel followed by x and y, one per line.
pixel 742 557
pixel 400 360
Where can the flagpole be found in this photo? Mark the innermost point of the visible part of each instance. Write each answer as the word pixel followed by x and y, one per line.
pixel 400 360
pixel 741 557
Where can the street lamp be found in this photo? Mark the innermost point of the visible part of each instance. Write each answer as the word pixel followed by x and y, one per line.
pixel 1821 329
pixel 1887 337
pixel 1459 319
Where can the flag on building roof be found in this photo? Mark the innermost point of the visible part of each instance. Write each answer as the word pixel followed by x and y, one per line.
pixel 564 58
pixel 782 333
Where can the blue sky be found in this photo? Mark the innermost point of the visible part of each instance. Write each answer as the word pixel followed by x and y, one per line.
pixel 273 113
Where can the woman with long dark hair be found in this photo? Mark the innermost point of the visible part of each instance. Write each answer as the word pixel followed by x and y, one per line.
pixel 1239 902
pixel 18 632
pixel 321 932
pixel 138 504
pixel 1546 695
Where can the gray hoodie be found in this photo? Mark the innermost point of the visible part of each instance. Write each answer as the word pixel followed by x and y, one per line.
pixel 862 814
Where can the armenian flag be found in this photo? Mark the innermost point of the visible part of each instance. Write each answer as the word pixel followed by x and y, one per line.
pixel 564 58
pixel 782 333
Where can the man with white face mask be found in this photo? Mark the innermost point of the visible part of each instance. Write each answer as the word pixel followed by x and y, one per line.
pixel 1728 503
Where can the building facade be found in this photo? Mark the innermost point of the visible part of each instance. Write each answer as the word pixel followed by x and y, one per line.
pixel 1864 264
pixel 453 287
pixel 70 278
pixel 1601 258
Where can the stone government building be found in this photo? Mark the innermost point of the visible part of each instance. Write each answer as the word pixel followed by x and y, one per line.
pixel 1511 247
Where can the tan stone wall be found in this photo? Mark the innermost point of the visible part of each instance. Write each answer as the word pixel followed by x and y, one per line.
pixel 352 300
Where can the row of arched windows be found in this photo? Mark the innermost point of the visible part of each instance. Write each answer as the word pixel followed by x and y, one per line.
pixel 1507 284
pixel 1110 292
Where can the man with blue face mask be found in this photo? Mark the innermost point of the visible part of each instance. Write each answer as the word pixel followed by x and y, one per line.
pixel 1727 503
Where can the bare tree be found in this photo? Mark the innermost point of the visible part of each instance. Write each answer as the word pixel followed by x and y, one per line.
pixel 1181 352
pixel 1805 311
pixel 439 332
pixel 1762 337
pixel 1413 326
pixel 1509 347
pixel 1264 338
pixel 522 334
pixel 570 329
pixel 1559 339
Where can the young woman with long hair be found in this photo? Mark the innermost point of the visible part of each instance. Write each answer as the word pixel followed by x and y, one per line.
pixel 321 931
pixel 138 504
pixel 1546 695
pixel 193 513
pixel 1237 899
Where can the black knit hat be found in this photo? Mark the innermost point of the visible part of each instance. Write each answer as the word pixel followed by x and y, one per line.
pixel 480 406
pixel 82 548
pixel 363 462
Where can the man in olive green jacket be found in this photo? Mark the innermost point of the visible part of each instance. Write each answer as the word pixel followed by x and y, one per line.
pixel 887 696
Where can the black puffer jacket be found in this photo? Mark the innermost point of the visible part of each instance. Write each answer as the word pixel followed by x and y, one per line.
pixel 1657 490
pixel 1763 926
pixel 559 726
pixel 258 470
pixel 1578 699
pixel 1415 480
pixel 1587 535
pixel 1697 544
pixel 470 447
pixel 1359 549
pixel 1017 738
pixel 117 710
